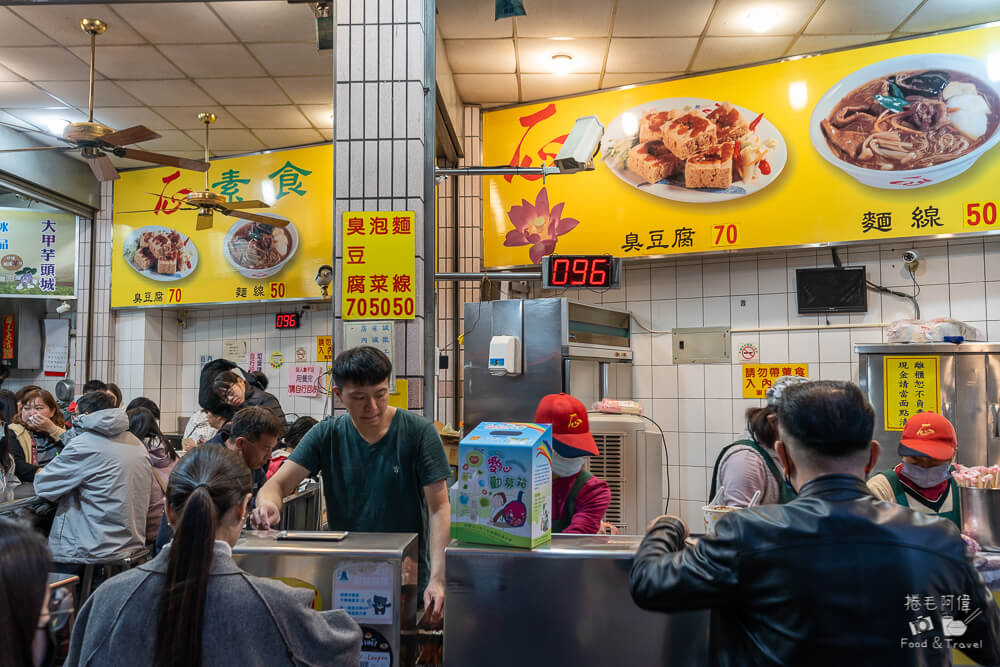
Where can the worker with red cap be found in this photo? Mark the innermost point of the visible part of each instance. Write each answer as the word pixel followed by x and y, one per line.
pixel 923 481
pixel 579 500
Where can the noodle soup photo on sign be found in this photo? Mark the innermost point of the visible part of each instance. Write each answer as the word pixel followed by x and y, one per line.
pixel 257 250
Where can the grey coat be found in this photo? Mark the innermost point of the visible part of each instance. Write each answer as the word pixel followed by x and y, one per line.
pixel 249 621
pixel 101 483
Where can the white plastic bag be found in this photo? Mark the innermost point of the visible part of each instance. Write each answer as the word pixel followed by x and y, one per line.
pixel 931 331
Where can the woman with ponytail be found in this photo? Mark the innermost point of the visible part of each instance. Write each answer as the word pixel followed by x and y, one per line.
pixel 206 610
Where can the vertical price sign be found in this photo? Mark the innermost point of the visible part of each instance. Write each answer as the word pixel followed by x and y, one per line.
pixel 378 265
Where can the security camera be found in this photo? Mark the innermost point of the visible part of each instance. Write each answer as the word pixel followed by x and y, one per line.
pixel 577 154
pixel 911 257
pixel 324 276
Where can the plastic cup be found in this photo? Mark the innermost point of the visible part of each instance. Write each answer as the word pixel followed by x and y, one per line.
pixel 712 515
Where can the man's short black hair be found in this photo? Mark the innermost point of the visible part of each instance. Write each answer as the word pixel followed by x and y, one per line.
pixel 94 385
pixel 363 366
pixel 143 402
pixel 831 419
pixel 94 401
pixel 254 422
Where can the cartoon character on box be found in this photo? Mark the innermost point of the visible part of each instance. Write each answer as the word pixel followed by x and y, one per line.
pixel 514 513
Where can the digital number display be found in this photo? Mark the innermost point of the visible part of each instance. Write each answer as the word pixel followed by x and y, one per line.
pixel 286 321
pixel 588 271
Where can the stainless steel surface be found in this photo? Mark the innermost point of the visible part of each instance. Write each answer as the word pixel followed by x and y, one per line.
pixel 429 251
pixel 602 371
pixel 302 509
pixel 488 275
pixel 981 516
pixel 564 604
pixel 496 171
pixel 315 563
pixel 967 406
pixel 993 400
pixel 927 348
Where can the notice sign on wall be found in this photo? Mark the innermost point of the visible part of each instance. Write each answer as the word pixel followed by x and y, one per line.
pixel 37 253
pixel 758 378
pixel 8 337
pixel 302 380
pixel 324 348
pixel 912 385
pixel 379 266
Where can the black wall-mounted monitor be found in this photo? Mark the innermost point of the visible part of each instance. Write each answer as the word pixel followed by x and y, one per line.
pixel 832 290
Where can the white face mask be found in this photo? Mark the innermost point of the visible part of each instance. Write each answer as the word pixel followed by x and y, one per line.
pixel 926 477
pixel 567 467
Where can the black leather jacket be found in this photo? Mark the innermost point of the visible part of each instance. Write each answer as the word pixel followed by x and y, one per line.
pixel 826 579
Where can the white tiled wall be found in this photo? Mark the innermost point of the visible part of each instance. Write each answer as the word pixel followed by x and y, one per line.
pixel 699 406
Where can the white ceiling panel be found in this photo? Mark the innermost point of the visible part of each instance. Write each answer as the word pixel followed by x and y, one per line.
pixel 282 138
pixel 749 17
pixel 7 75
pixel 14 31
pixel 487 87
pixel 838 17
pixel 76 93
pixel 814 43
pixel 307 89
pixel 327 134
pixel 481 56
pixel 37 63
pixel 293 59
pixel 615 80
pixel 461 19
pixel 320 115
pixel 271 21
pixel 171 140
pixel 213 60
pixel 536 54
pixel 939 14
pixel 12 120
pixel 275 117
pixel 661 18
pixel 229 140
pixel 62 23
pixel 644 55
pixel 176 22
pixel 48 119
pixel 718 52
pixel 541 86
pixel 21 94
pixel 170 92
pixel 565 18
pixel 122 117
pixel 244 91
pixel 186 118
pixel 129 62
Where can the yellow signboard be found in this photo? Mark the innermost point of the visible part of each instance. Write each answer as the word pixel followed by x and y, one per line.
pixel 758 378
pixel 790 153
pixel 161 259
pixel 37 253
pixel 912 385
pixel 379 266
pixel 324 348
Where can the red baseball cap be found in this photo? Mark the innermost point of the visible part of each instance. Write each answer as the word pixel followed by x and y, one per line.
pixel 928 434
pixel 570 426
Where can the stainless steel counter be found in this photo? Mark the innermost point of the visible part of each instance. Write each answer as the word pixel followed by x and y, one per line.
pixel 564 604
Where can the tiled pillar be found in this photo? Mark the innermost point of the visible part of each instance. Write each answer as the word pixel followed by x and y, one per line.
pixel 102 328
pixel 379 141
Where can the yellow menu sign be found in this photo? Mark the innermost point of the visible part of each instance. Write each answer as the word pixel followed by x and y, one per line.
pixel 912 385
pixel 758 378
pixel 767 173
pixel 379 266
pixel 160 258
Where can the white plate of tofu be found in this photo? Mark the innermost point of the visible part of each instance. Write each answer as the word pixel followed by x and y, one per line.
pixel 160 253
pixel 695 150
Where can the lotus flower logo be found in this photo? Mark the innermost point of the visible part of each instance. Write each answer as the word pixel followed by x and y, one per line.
pixel 538 226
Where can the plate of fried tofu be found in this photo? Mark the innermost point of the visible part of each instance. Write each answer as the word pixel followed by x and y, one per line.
pixel 160 253
pixel 694 150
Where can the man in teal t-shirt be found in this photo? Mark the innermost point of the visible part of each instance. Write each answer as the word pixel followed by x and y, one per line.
pixel 383 469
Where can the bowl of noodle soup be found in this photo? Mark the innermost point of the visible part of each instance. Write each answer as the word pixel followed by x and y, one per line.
pixel 908 122
pixel 261 257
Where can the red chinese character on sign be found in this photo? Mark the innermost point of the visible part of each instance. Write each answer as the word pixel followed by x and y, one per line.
pixel 748 372
pixel 380 226
pixel 801 372
pixel 380 283
pixel 401 225
pixel 528 122
pixel 355 284
pixel 762 372
pixel 355 254
pixel 786 370
pixel 775 372
pixel 177 198
pixel 355 226
pixel 401 283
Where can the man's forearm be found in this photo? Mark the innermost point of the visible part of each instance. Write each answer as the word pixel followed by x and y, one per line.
pixel 270 492
pixel 440 528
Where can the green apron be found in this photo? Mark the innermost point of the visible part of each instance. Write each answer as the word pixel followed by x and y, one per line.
pixel 787 493
pixel 559 525
pixel 902 494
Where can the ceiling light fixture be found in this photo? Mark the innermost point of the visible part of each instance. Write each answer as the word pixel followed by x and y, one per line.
pixel 56 125
pixel 560 39
pixel 561 63
pixel 762 18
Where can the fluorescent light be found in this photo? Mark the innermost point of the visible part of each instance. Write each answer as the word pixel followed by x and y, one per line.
pixel 561 63
pixel 762 18
pixel 798 95
pixel 993 67
pixel 56 125
pixel 560 39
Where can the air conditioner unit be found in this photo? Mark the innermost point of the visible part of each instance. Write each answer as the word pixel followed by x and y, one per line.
pixel 631 462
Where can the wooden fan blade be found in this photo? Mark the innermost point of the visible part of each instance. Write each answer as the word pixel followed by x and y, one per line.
pixel 31 129
pixel 39 148
pixel 103 168
pixel 250 203
pixel 274 221
pixel 130 135
pixel 168 160
pixel 204 221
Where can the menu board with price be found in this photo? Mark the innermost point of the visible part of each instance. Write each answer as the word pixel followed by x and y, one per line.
pixel 379 266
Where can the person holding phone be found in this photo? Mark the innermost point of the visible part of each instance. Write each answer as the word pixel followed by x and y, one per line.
pixel 35 437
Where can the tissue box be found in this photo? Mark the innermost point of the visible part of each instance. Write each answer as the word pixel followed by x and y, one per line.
pixel 503 495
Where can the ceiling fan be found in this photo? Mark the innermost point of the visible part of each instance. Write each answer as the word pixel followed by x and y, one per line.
pixel 207 202
pixel 95 140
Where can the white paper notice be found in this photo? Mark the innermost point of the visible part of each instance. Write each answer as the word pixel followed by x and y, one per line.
pixel 56 359
pixel 364 591
pixel 235 349
pixel 375 334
